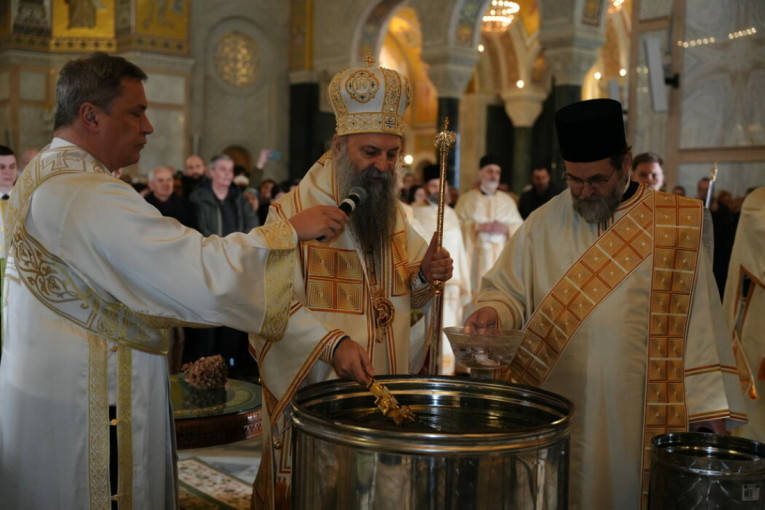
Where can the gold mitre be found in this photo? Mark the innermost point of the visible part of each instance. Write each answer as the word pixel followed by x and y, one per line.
pixel 369 100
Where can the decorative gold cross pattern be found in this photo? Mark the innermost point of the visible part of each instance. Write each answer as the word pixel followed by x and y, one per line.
pixel 334 280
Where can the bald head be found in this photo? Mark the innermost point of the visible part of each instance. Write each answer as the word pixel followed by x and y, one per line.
pixel 195 167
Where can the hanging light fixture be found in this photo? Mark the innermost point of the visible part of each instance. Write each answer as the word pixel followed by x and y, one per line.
pixel 499 15
pixel 615 6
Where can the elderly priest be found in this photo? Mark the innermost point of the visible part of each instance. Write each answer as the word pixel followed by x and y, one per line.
pixel 614 288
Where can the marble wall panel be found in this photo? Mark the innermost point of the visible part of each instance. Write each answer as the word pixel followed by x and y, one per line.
pixel 650 9
pixel 4 85
pixel 167 145
pixel 166 89
pixel 35 126
pixel 735 177
pixel 32 86
pixel 5 129
pixel 723 74
pixel 650 127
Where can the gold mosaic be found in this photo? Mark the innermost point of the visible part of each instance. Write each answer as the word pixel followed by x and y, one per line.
pixel 237 59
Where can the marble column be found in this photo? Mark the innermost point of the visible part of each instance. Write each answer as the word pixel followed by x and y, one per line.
pixel 523 106
pixel 450 71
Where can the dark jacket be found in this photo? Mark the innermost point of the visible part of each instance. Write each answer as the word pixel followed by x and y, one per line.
pixel 176 207
pixel 208 210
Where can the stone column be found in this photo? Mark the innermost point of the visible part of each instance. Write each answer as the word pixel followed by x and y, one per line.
pixel 450 71
pixel 523 106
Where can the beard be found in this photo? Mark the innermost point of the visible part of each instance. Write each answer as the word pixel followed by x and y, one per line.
pixel 490 186
pixel 599 209
pixel 373 221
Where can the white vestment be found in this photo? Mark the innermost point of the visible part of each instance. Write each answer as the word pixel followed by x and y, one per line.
pixel 483 248
pixel 456 292
pixel 101 267
pixel 744 302
pixel 602 368
pixel 334 296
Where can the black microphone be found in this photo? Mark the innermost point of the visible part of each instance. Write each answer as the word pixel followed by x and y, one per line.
pixel 356 196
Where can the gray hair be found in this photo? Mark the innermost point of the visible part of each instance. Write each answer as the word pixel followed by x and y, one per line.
pixel 153 172
pixel 97 79
pixel 220 157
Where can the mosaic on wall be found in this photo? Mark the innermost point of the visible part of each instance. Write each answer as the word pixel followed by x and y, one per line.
pixel 161 26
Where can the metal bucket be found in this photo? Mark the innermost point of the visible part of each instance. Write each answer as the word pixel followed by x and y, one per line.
pixel 698 470
pixel 477 444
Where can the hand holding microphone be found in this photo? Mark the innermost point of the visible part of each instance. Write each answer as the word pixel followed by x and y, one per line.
pixel 323 222
pixel 356 196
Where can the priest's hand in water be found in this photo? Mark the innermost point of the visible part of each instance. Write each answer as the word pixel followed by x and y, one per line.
pixel 483 320
pixel 325 221
pixel 350 361
pixel 437 265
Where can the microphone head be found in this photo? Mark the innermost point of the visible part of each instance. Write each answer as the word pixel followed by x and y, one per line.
pixel 360 194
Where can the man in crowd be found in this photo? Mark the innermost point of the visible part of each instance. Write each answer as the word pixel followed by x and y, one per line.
pixel 744 304
pixel 351 302
pixel 85 419
pixel 8 175
pixel 702 189
pixel 541 191
pixel 222 209
pixel 456 292
pixel 488 219
pixel 614 289
pixel 161 185
pixel 648 169
pixel 7 171
pixel 194 174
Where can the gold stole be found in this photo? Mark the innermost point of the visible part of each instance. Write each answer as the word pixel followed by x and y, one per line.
pixel 662 224
pixel 51 280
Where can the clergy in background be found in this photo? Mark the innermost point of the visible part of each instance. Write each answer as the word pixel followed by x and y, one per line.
pixel 488 218
pixel 614 289
pixel 456 292
pixel 744 304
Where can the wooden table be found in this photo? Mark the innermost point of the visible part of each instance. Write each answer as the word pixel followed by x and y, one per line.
pixel 205 418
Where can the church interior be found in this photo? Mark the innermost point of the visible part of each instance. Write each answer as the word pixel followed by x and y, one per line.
pixel 241 77
pixel 245 75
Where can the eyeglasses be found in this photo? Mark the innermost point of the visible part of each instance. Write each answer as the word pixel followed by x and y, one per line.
pixel 597 183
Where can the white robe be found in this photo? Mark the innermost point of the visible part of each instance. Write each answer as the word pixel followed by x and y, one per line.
pixel 456 292
pixel 483 248
pixel 603 367
pixel 748 259
pixel 53 411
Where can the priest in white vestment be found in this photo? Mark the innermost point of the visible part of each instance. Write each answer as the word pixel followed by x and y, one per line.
pixel 352 297
pixel 489 218
pixel 456 292
pixel 614 289
pixel 93 270
pixel 744 304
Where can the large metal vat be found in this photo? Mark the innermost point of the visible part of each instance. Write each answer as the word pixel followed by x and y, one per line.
pixel 710 471
pixel 477 444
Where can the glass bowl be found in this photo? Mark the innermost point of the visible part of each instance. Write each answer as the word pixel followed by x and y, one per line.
pixel 487 351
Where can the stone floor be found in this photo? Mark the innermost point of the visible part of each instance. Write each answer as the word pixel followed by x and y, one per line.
pixel 240 459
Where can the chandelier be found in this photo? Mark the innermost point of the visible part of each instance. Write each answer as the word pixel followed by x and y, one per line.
pixel 499 16
pixel 615 6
